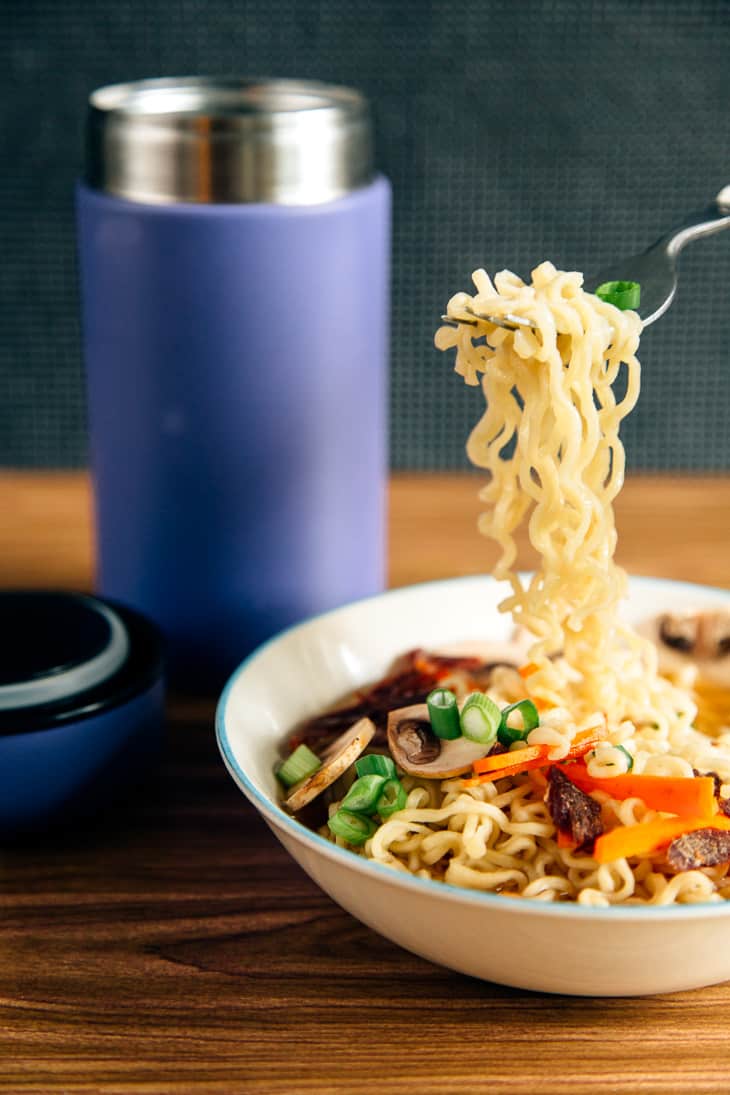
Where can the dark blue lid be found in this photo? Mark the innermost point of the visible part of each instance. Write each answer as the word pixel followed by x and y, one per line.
pixel 67 656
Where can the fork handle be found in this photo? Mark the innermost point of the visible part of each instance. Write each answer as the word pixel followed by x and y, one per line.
pixel 704 223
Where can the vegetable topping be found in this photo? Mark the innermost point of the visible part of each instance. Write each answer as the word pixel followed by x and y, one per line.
pixel 443 711
pixel 370 794
pixel 516 761
pixel 302 763
pixel 375 764
pixel 392 799
pixel 418 744
pixel 416 750
pixel 685 796
pixel 622 294
pixel 364 793
pixel 527 719
pixel 511 763
pixel 480 719
pixel 702 634
pixel 354 828
pixel 650 836
pixel 343 753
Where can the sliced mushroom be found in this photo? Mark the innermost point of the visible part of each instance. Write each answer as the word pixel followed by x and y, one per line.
pixel 704 635
pixel 715 633
pixel 678 632
pixel 343 752
pixel 419 752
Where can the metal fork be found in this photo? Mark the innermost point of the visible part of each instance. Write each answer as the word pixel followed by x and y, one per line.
pixel 655 269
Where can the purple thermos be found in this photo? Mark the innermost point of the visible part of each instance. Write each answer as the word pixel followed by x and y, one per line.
pixel 234 243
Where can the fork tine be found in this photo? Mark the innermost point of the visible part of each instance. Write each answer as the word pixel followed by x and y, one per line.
pixel 453 320
pixel 509 323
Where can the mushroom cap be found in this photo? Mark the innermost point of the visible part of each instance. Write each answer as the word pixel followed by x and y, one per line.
pixel 701 638
pixel 419 752
pixel 343 752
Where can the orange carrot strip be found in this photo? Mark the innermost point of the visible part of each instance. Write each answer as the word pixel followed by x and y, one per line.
pixel 686 796
pixel 642 839
pixel 513 763
pixel 583 742
pixel 538 779
pixel 532 756
pixel 565 840
pixel 515 757
pixel 526 671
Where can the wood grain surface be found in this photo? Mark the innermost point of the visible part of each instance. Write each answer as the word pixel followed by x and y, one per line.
pixel 673 527
pixel 173 946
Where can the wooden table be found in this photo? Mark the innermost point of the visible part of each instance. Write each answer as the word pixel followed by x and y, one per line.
pixel 176 948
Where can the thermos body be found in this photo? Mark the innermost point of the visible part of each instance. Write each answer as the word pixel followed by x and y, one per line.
pixel 236 359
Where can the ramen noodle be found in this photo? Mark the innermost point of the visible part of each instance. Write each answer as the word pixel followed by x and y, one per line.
pixel 549 442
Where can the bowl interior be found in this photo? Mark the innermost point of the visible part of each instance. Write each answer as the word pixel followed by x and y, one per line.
pixel 310 666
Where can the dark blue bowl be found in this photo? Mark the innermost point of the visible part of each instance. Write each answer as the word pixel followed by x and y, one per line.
pixel 81 706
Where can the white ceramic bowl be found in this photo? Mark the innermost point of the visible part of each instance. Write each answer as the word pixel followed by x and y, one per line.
pixel 562 948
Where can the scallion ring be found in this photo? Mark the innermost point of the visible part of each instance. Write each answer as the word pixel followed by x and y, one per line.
pixel 375 764
pixel 354 828
pixel 529 717
pixel 622 294
pixel 392 799
pixel 443 711
pixel 363 794
pixel 480 718
pixel 301 764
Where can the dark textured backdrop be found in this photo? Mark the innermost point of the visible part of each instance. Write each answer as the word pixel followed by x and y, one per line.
pixel 512 132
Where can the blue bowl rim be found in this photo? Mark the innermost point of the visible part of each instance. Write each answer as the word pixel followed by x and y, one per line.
pixel 443 890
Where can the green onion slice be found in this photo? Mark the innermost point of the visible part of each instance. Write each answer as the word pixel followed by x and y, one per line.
pixel 375 764
pixel 443 711
pixel 363 794
pixel 353 828
pixel 622 294
pixel 392 798
pixel 628 756
pixel 480 718
pixel 529 718
pixel 302 763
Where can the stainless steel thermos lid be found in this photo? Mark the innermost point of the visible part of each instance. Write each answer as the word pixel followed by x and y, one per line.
pixel 198 139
